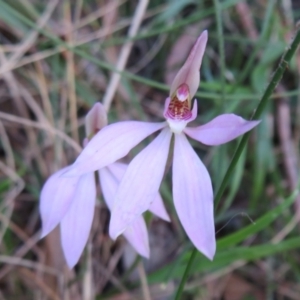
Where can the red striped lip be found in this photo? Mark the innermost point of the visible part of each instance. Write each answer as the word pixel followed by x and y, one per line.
pixel 179 110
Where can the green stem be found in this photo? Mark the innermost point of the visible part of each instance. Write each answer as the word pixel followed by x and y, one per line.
pixel 283 65
pixel 186 274
pixel 218 14
pixel 222 66
pixel 261 106
pixel 221 47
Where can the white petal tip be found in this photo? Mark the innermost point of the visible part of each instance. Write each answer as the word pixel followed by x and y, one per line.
pixel 203 36
pixel 208 253
pixel 71 263
pixel 43 234
pixel 114 234
pixel 146 255
pixel 167 219
pixel 45 231
pixel 210 256
pixel 143 250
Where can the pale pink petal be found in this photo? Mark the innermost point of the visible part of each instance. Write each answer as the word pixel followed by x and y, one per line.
pixel 166 106
pixel 193 196
pixel 189 72
pixel 118 169
pixel 111 143
pixel 95 119
pixel 77 222
pixel 157 207
pixel 136 234
pixel 55 199
pixel 194 111
pixel 85 142
pixel 140 184
pixel 109 185
pixel 221 129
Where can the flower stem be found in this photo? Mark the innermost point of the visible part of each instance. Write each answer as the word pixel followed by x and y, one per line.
pixel 218 12
pixel 218 15
pixel 186 274
pixel 283 65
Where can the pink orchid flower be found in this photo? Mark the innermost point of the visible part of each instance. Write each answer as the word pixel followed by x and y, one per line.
pixel 192 187
pixel 70 201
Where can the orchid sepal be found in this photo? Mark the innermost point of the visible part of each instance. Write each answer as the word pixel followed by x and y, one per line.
pixel 220 130
pixel 189 75
pixel 115 141
pixel 95 119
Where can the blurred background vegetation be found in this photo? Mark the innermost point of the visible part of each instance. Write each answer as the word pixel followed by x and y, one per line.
pixel 57 58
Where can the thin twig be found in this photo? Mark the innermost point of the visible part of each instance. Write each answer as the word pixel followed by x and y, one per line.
pixel 124 54
pixel 30 39
pixel 101 33
pixel 42 85
pixel 18 261
pixel 21 252
pixel 87 284
pixel 71 75
pixel 112 265
pixel 143 277
pixel 17 93
pixel 7 147
pixel 48 128
pixel 103 10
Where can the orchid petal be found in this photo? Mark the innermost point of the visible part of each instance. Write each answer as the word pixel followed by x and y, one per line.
pixel 77 222
pixel 118 170
pixel 95 119
pixel 157 206
pixel 85 142
pixel 140 183
pixel 109 185
pixel 56 197
pixel 221 129
pixel 194 111
pixel 166 106
pixel 111 143
pixel 189 72
pixel 193 196
pixel 136 234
